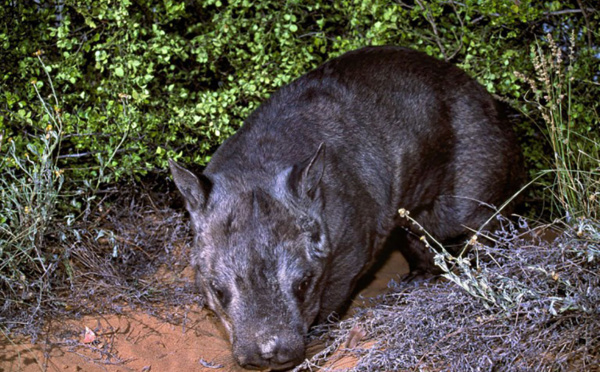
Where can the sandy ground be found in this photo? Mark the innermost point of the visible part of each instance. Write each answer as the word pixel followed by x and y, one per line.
pixel 136 341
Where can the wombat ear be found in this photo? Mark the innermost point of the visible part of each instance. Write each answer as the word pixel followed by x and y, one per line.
pixel 305 177
pixel 195 190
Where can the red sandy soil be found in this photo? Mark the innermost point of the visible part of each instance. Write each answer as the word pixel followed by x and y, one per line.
pixel 136 341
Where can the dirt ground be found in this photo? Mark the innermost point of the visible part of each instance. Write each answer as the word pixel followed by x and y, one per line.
pixel 136 341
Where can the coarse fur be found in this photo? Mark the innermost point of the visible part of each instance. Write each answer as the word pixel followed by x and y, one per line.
pixel 294 208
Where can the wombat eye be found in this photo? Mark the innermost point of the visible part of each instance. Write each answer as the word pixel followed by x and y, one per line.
pixel 302 287
pixel 315 237
pixel 221 294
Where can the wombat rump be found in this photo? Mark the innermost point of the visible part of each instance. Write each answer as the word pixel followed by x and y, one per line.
pixel 294 207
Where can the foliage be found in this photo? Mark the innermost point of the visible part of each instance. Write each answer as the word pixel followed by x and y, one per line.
pixel 190 72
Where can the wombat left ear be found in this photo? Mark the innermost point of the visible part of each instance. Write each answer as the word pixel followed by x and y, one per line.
pixel 195 190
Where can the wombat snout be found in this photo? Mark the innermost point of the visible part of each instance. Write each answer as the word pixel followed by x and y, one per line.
pixel 275 354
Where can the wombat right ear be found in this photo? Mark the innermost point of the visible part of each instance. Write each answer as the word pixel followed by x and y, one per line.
pixel 195 190
pixel 305 178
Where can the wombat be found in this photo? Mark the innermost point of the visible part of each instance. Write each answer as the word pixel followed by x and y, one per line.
pixel 293 208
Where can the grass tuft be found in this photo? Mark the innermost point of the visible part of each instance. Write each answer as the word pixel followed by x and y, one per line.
pixel 30 188
pixel 67 247
pixel 576 157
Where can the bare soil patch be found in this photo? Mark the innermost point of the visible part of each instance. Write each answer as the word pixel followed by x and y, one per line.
pixel 137 341
pixel 177 335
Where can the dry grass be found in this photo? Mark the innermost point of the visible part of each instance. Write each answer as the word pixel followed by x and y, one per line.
pixel 128 254
pixel 548 319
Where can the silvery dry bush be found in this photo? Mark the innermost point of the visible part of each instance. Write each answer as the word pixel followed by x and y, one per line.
pixel 520 303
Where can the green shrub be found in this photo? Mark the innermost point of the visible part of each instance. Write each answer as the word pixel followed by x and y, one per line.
pixel 192 71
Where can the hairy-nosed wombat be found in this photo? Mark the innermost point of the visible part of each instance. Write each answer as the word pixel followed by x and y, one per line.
pixel 294 207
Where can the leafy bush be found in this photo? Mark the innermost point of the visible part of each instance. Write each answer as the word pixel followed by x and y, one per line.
pixel 190 72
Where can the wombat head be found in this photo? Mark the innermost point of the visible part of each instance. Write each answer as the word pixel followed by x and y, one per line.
pixel 259 256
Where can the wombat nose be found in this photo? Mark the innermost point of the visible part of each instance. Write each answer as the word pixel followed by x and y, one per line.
pixel 269 349
pixel 272 355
